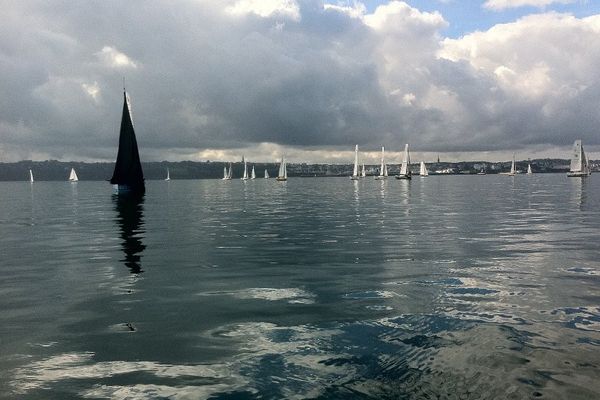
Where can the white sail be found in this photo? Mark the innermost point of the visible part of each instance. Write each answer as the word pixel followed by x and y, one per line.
pixel 30 176
pixel 363 173
pixel 266 174
pixel 168 178
pixel 225 173
pixel 245 177
pixel 529 171
pixel 355 169
pixel 253 174
pixel 73 176
pixel 579 162
pixel 382 169
pixel 282 175
pixel 423 170
pixel 404 168
pixel 513 169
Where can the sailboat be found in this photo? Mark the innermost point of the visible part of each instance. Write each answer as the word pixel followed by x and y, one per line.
pixel 579 163
pixel 405 167
pixel 513 170
pixel 355 170
pixel 253 174
pixel 363 173
pixel 383 167
pixel 423 170
pixel 282 176
pixel 73 176
pixel 30 176
pixel 245 176
pixel 227 174
pixel 128 176
pixel 529 171
pixel 168 178
pixel 266 174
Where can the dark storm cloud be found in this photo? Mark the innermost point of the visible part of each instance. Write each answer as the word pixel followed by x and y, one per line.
pixel 202 76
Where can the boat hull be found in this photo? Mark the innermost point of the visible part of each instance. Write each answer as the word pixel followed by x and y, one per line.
pixel 354 178
pixel 126 189
pixel 578 174
pixel 406 177
pixel 380 178
pixel 281 179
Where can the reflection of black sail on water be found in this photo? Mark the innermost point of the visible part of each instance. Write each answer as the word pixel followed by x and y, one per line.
pixel 130 220
pixel 128 175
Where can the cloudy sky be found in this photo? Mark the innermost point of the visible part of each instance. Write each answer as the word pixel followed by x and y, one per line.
pixel 215 79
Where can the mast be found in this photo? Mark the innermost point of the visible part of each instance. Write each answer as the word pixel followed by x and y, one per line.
pixel 128 174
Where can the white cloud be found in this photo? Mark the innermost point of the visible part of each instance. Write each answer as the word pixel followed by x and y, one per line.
pixel 354 10
pixel 498 5
pixel 92 90
pixel 266 8
pixel 113 58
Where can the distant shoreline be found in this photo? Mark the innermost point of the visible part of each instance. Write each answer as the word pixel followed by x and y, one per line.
pixel 100 171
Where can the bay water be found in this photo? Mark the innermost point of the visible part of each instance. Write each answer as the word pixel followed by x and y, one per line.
pixel 459 287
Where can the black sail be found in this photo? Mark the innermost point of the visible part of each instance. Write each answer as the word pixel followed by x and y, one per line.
pixel 128 169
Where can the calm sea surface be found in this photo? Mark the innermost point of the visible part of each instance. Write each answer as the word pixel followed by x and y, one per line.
pixel 458 287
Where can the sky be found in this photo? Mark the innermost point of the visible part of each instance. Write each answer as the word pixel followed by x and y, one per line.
pixel 218 79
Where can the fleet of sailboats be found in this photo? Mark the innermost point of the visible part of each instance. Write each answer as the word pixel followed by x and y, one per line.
pixel 128 176
pixel 227 174
pixel 579 163
pixel 405 166
pixel 73 176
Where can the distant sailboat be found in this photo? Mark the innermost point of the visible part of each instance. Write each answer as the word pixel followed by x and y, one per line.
pixel 355 170
pixel 128 176
pixel 363 173
pixel 266 174
pixel 482 172
pixel 513 169
pixel 73 176
pixel 579 163
pixel 383 168
pixel 168 178
pixel 282 176
pixel 529 171
pixel 30 176
pixel 423 170
pixel 405 167
pixel 253 175
pixel 245 176
pixel 227 174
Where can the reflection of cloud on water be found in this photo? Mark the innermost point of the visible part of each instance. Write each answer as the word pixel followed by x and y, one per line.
pixel 410 354
pixel 292 295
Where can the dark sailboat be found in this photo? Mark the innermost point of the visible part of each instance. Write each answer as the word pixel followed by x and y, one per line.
pixel 128 176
